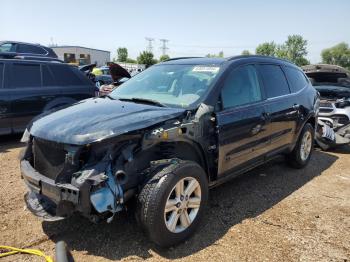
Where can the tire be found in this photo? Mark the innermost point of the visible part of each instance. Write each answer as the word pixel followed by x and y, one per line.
pixel 296 158
pixel 159 190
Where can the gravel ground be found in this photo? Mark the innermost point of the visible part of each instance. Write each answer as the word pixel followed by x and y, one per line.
pixel 273 213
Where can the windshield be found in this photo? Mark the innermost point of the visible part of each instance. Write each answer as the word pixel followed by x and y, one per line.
pixel 171 85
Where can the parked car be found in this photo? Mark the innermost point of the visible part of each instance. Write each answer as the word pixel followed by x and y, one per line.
pixel 106 78
pixel 333 84
pixel 165 137
pixel 9 49
pixel 29 88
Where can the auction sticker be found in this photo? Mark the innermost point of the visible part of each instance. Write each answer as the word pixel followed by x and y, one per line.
pixel 209 69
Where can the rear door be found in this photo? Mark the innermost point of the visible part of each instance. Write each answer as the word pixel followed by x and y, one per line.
pixel 242 122
pixel 25 90
pixel 280 106
pixel 5 123
pixel 74 84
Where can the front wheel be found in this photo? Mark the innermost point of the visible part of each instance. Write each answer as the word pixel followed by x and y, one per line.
pixel 302 152
pixel 172 202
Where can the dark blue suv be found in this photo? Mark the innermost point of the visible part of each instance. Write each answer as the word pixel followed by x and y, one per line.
pixel 165 137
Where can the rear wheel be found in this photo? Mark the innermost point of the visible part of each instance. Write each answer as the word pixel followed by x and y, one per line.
pixel 302 152
pixel 172 202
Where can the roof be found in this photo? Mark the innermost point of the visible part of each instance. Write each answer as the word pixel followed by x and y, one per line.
pixel 77 46
pixel 18 42
pixel 195 61
pixel 219 61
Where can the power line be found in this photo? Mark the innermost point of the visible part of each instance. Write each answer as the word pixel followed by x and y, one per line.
pixel 164 48
pixel 149 47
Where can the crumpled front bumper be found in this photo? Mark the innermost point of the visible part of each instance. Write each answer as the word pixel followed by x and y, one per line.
pixel 46 198
pixel 52 201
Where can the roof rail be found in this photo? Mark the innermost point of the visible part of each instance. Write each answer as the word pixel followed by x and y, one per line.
pixel 11 55
pixel 184 57
pixel 245 56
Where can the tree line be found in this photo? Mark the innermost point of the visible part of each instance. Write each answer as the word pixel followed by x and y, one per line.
pixel 293 49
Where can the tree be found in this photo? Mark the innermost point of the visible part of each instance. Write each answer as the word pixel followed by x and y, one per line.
pixel 122 53
pixel 296 49
pixel 246 52
pixel 146 58
pixel 337 55
pixel 163 58
pixel 220 55
pixel 131 61
pixel 267 48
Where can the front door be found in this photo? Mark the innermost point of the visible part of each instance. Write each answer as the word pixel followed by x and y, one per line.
pixel 242 122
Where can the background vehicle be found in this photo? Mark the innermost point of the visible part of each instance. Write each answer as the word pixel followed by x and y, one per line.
pixel 333 83
pixel 9 49
pixel 28 88
pixel 165 136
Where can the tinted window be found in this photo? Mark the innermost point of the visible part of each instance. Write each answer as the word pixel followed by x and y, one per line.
pixel 7 47
pixel 296 79
pixel 65 76
pixel 241 87
pixel 48 79
pixel 26 75
pixel 275 82
pixel 30 49
pixel 1 74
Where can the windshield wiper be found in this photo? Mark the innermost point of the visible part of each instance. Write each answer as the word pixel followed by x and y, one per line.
pixel 143 101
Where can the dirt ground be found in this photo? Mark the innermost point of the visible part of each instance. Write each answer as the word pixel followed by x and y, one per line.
pixel 273 213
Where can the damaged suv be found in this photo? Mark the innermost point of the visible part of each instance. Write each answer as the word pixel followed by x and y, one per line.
pixel 165 137
pixel 333 84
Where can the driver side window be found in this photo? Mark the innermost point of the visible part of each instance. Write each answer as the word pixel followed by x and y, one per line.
pixel 241 87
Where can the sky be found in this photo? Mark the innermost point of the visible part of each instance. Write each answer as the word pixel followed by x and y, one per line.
pixel 193 27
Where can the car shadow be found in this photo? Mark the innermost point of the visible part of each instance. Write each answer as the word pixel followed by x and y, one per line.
pixel 245 197
pixel 8 142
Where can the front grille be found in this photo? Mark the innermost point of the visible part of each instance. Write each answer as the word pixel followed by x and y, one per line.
pixel 326 104
pixel 325 110
pixel 340 119
pixel 49 157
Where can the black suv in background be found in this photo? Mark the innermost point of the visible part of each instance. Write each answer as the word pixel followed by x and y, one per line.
pixel 9 49
pixel 164 137
pixel 28 88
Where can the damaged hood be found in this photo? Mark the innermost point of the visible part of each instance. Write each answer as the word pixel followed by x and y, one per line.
pixel 95 119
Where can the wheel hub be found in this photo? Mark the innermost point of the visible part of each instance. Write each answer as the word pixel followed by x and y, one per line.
pixel 182 205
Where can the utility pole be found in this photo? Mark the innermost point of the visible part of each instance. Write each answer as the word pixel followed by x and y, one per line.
pixel 149 47
pixel 164 47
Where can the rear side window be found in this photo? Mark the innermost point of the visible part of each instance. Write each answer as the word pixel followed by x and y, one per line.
pixel 1 74
pixel 30 49
pixel 296 79
pixel 26 75
pixel 241 87
pixel 275 82
pixel 65 76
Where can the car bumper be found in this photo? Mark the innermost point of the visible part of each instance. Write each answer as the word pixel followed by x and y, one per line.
pixel 46 198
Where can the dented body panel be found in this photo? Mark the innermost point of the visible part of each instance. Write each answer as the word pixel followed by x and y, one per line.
pixel 106 149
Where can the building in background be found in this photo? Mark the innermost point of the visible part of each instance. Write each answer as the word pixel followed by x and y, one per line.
pixel 79 55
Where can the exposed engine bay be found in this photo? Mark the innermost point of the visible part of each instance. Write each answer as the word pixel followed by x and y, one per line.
pixel 333 84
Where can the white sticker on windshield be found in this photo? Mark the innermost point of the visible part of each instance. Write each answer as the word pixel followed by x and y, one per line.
pixel 210 69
